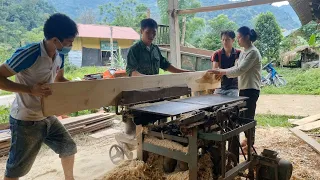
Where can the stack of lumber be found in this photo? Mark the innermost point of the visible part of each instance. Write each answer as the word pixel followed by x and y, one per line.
pixel 75 125
pixel 88 123
pixel 307 124
pixel 5 138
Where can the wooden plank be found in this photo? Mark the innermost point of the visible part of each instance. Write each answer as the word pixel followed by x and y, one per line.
pixel 4 126
pixel 174 33
pixel 71 120
pixel 309 126
pixel 88 122
pixel 4 145
pixel 226 6
pixel 4 152
pixel 311 142
pixel 307 120
pixel 292 120
pixel 75 96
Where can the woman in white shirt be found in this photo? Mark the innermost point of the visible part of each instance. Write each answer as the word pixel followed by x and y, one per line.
pixel 248 70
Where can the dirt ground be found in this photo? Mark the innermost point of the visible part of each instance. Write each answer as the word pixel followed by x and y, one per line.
pixel 92 159
pixel 296 105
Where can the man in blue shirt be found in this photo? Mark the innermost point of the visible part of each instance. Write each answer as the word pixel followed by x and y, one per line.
pixel 34 66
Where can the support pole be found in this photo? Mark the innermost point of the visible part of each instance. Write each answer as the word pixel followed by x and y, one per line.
pixel 175 58
pixel 111 47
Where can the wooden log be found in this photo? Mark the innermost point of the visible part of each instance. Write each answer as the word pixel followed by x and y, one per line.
pixel 227 6
pixel 306 120
pixel 310 141
pixel 75 96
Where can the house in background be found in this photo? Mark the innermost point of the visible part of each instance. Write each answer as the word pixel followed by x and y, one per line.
pixel 92 46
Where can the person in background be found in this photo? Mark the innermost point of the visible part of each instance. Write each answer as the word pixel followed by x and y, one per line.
pixel 34 66
pixel 144 57
pixel 225 58
pixel 248 69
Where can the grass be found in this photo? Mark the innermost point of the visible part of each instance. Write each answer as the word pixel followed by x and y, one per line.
pixel 4 114
pixel 305 82
pixel 274 120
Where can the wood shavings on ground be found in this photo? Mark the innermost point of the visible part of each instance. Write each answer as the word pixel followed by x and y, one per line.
pixel 205 167
pixel 133 170
pixel 306 162
pixel 165 143
pixel 178 176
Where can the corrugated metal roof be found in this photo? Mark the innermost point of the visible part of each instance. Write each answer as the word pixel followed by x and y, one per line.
pixel 307 10
pixel 103 31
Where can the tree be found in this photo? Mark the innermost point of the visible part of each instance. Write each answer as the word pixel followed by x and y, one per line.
pixel 291 42
pixel 212 40
pixel 13 25
pixel 87 17
pixel 193 29
pixel 35 35
pixel 183 4
pixel 126 13
pixel 270 36
pixel 193 24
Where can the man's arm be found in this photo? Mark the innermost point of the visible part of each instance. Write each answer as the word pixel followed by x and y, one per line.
pixel 215 60
pixel 132 64
pixel 243 67
pixel 136 73
pixel 173 69
pixel 60 76
pixel 8 85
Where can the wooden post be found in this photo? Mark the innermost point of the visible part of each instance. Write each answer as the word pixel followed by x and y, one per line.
pixel 111 46
pixel 148 13
pixel 184 26
pixel 174 33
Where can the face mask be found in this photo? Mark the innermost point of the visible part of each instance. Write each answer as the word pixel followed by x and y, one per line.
pixel 65 50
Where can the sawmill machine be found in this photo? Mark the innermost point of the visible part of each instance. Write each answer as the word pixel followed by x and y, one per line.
pixel 199 124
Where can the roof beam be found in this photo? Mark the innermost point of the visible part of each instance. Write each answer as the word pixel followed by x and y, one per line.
pixel 227 6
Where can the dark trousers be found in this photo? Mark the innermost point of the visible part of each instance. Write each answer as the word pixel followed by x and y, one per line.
pixel 251 104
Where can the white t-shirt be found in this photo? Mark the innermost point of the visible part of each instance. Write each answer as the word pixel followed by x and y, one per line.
pixel 31 65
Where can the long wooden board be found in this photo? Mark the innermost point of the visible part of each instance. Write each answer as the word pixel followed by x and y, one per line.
pixel 309 126
pixel 75 96
pixel 311 142
pixel 306 120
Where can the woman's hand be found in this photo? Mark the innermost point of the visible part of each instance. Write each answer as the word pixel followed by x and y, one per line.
pixel 214 71
pixel 217 72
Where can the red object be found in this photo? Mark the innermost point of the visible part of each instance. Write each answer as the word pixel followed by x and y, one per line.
pixel 102 31
pixel 110 74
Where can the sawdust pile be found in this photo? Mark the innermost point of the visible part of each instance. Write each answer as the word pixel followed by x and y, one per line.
pixel 134 170
pixel 205 167
pixel 153 170
pixel 306 162
pixel 165 143
pixel 184 175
